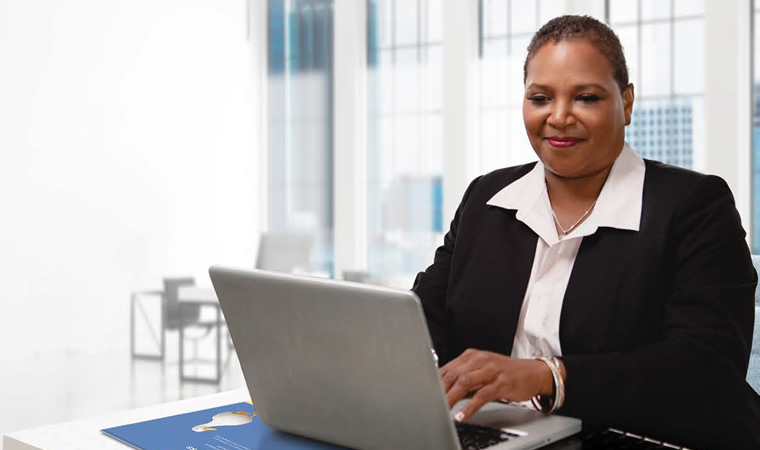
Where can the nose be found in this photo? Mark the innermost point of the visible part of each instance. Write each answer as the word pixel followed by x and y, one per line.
pixel 561 114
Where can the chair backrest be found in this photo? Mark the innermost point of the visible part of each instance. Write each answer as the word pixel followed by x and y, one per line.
pixel 753 373
pixel 172 309
pixel 284 252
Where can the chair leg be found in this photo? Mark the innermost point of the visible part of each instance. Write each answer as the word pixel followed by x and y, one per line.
pixel 133 307
pixel 218 345
pixel 218 362
pixel 181 348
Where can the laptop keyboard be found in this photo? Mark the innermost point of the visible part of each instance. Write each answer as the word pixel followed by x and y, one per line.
pixel 475 437
pixel 616 439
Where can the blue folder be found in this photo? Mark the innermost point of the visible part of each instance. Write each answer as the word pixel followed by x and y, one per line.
pixel 231 427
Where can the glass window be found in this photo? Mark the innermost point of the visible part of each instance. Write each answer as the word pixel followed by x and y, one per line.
pixel 664 45
pixel 655 73
pixel 655 9
pixel 756 129
pixel 685 8
pixel 623 11
pixel 300 86
pixel 507 27
pixel 405 154
pixel 689 57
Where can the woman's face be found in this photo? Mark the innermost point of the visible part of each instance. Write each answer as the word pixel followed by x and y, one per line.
pixel 574 113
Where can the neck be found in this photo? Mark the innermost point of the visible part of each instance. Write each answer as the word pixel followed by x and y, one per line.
pixel 569 191
pixel 572 199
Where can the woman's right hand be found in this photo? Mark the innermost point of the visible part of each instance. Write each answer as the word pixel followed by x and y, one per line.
pixel 491 376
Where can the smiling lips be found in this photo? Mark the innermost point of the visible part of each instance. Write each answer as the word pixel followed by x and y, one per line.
pixel 562 141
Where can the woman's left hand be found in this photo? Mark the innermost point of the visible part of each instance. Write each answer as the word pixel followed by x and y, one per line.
pixel 491 376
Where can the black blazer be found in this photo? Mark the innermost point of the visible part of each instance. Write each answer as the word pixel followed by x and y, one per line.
pixel 656 325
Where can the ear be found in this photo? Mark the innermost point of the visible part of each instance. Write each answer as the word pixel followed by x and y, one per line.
pixel 628 103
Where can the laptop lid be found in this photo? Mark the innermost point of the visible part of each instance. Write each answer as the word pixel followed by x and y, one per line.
pixel 350 364
pixel 332 360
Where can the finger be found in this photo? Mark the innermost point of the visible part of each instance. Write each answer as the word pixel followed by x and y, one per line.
pixel 469 359
pixel 448 378
pixel 455 393
pixel 482 396
pixel 476 378
pixel 468 382
pixel 463 358
pixel 451 372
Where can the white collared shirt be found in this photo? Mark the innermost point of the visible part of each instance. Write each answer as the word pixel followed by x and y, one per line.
pixel 618 206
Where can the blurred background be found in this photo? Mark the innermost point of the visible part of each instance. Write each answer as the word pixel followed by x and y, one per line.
pixel 143 141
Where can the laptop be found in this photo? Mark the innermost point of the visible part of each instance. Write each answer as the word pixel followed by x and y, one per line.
pixel 351 364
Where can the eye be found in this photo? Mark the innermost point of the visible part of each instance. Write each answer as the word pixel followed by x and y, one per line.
pixel 588 98
pixel 538 99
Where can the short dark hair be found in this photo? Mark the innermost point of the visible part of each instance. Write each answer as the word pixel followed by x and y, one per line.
pixel 598 34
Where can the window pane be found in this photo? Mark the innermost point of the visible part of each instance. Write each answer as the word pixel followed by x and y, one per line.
pixel 756 133
pixel 503 140
pixel 655 60
pixel 655 9
pixel 628 36
pixel 593 8
pixel 406 84
pixel 433 22
pixel 755 59
pixel 664 130
pixel 495 17
pixel 755 183
pixel 550 9
pixel 406 21
pixel 516 62
pixel 623 11
pixel 697 104
pixel 405 154
pixel 495 73
pixel 523 16
pixel 689 57
pixel 431 145
pixel 495 141
pixel 520 151
pixel 381 77
pixel 433 70
pixel 300 127
pixel 755 177
pixel 381 30
pixel 689 7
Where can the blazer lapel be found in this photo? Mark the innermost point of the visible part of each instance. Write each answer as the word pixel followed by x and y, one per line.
pixel 505 277
pixel 596 289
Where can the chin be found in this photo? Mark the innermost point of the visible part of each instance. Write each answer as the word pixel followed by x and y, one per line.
pixel 564 169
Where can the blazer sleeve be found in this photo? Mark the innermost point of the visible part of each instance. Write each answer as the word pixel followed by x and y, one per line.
pixel 698 367
pixel 431 285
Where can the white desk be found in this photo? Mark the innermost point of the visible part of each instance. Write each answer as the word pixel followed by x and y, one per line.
pixel 86 435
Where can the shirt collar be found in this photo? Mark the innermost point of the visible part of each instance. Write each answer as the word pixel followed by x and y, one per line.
pixel 618 205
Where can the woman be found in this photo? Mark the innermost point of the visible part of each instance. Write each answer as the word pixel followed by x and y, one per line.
pixel 630 278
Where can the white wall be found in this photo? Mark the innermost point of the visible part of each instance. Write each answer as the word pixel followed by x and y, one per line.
pixel 126 154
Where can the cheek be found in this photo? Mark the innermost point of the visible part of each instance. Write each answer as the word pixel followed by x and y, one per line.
pixel 532 121
pixel 606 121
pixel 601 126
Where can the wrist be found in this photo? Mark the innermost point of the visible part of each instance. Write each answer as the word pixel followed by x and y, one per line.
pixel 545 377
pixel 551 396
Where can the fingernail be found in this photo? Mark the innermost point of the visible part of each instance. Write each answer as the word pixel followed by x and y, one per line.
pixel 459 416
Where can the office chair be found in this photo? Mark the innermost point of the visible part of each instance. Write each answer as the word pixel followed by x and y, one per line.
pixel 173 316
pixel 284 251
